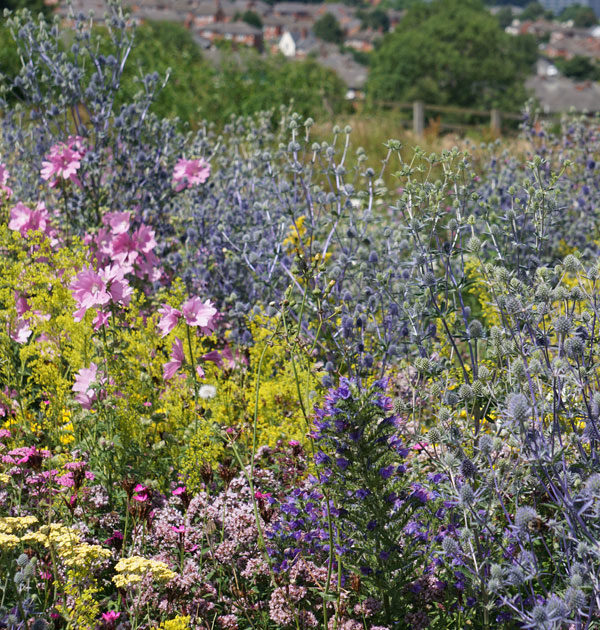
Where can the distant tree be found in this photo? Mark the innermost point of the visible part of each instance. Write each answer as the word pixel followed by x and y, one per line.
pixel 504 16
pixel 377 19
pixel 454 52
pixel 583 17
pixel 534 11
pixel 35 6
pixel 252 18
pixel 579 68
pixel 328 29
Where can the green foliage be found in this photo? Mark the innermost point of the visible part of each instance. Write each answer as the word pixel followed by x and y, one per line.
pixel 35 6
pixel 504 16
pixel 535 11
pixel 239 82
pixel 582 17
pixel 579 68
pixel 328 29
pixel 451 52
pixel 376 19
pixel 252 18
pixel 9 58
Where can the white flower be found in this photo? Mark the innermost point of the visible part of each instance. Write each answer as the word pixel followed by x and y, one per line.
pixel 207 392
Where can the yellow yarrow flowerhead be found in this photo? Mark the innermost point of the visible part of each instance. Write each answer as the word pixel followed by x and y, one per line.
pixel 134 569
pixel 178 623
pixel 8 541
pixel 13 524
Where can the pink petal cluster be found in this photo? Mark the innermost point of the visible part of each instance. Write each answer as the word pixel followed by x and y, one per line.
pixel 84 379
pixel 20 331
pixel 134 251
pixel 142 493
pixel 195 312
pixel 110 617
pixel 188 173
pixel 177 360
pixel 93 289
pixel 63 161
pixel 4 175
pixel 23 219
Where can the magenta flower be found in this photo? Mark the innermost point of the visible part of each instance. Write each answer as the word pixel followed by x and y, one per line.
pixel 110 617
pixel 199 313
pixel 177 360
pixel 188 173
pixel 169 319
pixel 178 530
pixel 4 175
pixel 62 163
pixel 83 385
pixel 23 219
pixel 142 493
pixel 179 491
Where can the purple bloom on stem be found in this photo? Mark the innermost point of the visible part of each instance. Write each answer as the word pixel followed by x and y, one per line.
pixel 342 463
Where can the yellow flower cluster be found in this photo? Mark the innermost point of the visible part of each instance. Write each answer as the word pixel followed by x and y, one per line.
pixel 13 524
pixel 4 478
pixel 134 569
pixel 178 623
pixel 67 542
pixel 8 541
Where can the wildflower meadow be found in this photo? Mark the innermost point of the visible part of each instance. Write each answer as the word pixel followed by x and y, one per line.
pixel 255 379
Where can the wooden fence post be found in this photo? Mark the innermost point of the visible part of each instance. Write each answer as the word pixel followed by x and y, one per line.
pixel 418 118
pixel 496 122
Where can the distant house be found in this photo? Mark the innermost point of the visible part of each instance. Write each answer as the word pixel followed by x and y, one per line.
pixel 237 32
pixel 206 12
pixel 274 26
pixel 297 42
pixel 395 17
pixel 297 10
pixel 559 94
pixel 344 14
pixel 363 41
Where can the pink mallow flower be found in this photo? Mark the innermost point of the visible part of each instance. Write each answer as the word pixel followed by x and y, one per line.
pixel 20 332
pixel 63 162
pixel 97 289
pixel 4 175
pixel 177 360
pixel 84 380
pixel 23 219
pixel 169 319
pixel 89 291
pixel 188 173
pixel 199 313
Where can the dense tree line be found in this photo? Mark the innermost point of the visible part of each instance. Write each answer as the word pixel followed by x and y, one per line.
pixel 452 52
